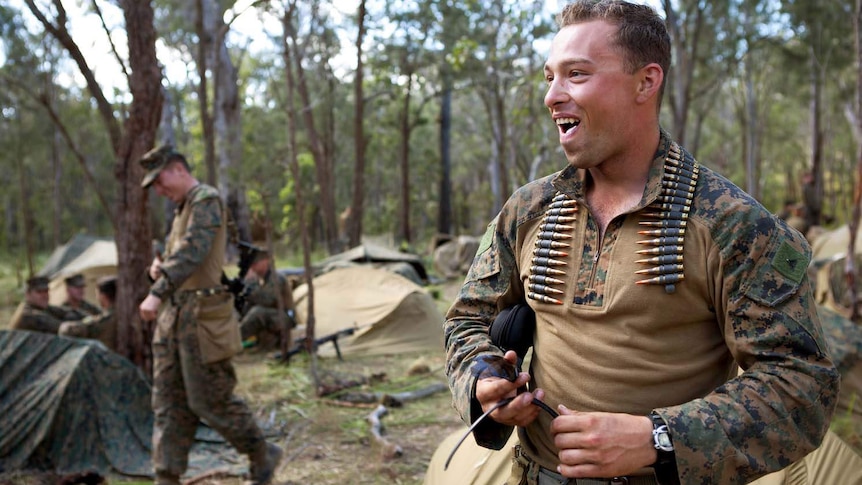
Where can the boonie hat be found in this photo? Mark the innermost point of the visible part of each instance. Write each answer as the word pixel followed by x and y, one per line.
pixel 155 160
pixel 76 280
pixel 37 283
pixel 108 285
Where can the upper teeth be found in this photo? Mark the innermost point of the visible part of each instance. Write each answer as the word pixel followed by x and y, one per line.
pixel 564 121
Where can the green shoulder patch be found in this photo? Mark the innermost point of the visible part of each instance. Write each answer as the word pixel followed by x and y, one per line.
pixel 487 238
pixel 790 262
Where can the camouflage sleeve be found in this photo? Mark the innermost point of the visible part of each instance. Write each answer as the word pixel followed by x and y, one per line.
pixel 204 221
pixel 779 408
pixel 88 327
pixel 488 285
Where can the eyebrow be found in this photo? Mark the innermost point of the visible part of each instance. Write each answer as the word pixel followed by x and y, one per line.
pixel 567 63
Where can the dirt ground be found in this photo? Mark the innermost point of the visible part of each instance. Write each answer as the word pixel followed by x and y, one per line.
pixel 327 442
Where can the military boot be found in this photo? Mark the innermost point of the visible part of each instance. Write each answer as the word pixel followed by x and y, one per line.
pixel 263 464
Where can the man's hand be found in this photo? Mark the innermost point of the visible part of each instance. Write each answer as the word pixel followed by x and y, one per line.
pixel 602 444
pixel 149 308
pixel 519 412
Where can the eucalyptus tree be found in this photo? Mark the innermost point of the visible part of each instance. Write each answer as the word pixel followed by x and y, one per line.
pixel 500 60
pixel 403 70
pixel 200 37
pixel 64 147
pixel 131 132
pixel 316 45
pixel 822 41
pixel 704 41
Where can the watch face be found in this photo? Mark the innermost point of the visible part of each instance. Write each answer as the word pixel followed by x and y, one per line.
pixel 664 441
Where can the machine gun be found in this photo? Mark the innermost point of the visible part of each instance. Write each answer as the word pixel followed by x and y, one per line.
pixel 237 285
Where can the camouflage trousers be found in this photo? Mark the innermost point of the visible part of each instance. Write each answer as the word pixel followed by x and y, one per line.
pixel 263 323
pixel 186 391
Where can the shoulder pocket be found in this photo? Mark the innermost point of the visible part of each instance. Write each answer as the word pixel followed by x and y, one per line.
pixel 486 263
pixel 775 279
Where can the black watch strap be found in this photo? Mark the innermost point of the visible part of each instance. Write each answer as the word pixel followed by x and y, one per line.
pixel 665 464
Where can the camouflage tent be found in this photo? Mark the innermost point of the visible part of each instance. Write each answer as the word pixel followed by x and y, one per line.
pixel 407 265
pixel 70 406
pixel 389 313
pixel 90 256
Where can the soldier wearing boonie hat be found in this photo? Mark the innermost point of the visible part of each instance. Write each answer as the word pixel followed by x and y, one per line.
pixel 36 314
pixel 75 306
pixel 264 288
pixel 101 326
pixel 193 376
pixel 155 160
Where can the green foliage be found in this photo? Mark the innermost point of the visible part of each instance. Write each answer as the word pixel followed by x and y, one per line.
pixel 492 50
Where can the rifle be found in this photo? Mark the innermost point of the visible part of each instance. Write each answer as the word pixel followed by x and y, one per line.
pixel 237 285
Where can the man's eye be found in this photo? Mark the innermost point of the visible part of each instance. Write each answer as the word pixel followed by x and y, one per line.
pixel 549 79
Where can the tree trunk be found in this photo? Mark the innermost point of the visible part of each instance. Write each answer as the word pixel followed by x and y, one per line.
pixel 293 163
pixel 404 159
pixel 357 206
pixel 205 43
pixel 814 190
pixel 134 239
pixel 322 163
pixel 129 142
pixel 444 215
pixel 850 271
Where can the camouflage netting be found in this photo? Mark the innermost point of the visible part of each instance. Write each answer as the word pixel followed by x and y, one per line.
pixel 68 405
pixel 71 406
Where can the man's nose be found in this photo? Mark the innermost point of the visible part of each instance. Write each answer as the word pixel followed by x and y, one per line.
pixel 555 94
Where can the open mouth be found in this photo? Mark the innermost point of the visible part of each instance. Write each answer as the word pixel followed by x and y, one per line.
pixel 566 124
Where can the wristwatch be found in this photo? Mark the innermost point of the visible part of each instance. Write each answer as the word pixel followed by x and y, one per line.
pixel 665 464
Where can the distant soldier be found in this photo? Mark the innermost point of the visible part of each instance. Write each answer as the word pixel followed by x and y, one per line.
pixel 196 329
pixel 37 315
pixel 264 286
pixel 103 326
pixel 75 306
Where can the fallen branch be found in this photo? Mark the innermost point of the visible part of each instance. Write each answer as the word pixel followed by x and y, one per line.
pixel 350 404
pixel 393 400
pixel 388 449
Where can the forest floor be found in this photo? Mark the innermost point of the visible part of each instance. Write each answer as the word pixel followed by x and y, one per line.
pixel 328 441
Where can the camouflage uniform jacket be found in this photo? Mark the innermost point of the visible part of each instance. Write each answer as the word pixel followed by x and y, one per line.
pixel 263 292
pixel 85 309
pixel 38 319
pixel 101 327
pixel 184 258
pixel 615 345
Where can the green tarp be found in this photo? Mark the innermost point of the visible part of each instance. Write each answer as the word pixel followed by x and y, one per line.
pixel 71 405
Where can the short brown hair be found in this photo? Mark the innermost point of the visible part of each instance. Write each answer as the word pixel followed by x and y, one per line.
pixel 642 34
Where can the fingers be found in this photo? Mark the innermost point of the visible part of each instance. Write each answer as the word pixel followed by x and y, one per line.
pixel 601 444
pixel 519 412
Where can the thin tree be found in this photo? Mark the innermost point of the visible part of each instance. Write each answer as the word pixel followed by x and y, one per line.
pixel 358 205
pixel 323 162
pixel 855 116
pixel 293 165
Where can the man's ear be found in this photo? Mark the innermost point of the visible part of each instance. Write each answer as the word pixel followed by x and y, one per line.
pixel 651 77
